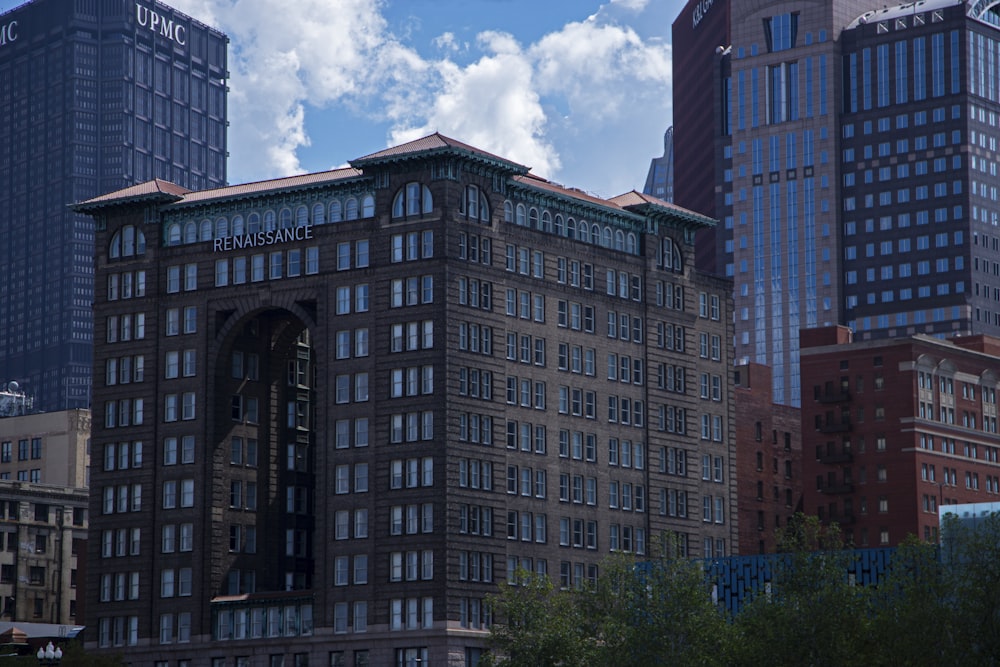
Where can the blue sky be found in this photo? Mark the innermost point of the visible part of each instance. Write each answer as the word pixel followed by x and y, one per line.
pixel 578 90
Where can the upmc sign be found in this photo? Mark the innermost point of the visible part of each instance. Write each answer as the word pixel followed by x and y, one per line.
pixel 8 33
pixel 160 24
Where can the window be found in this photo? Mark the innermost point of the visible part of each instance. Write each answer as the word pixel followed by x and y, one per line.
pixel 474 205
pixel 413 199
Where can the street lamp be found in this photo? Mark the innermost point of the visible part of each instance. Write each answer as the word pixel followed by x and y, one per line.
pixel 49 655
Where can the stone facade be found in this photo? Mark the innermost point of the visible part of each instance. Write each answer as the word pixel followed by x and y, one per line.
pixel 368 395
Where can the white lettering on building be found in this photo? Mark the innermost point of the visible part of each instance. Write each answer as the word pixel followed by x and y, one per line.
pixel 160 25
pixel 258 239
pixel 700 9
pixel 8 33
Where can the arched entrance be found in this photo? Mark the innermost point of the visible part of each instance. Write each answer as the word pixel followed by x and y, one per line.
pixel 263 457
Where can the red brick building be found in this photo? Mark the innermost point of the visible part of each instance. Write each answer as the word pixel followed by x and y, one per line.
pixel 768 460
pixel 894 428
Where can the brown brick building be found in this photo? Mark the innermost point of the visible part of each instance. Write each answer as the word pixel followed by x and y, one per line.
pixel 340 408
pixel 768 460
pixel 894 428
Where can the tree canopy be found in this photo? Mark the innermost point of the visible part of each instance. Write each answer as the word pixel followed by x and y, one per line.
pixel 926 609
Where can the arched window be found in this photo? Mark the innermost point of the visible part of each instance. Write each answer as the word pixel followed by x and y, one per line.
pixel 508 211
pixel 484 209
pixel 206 231
pixel 270 223
pixel 174 234
pixel 238 228
pixel 475 205
pixel 368 206
pixel 335 211
pixel 670 255
pixel 253 223
pixel 606 237
pixel 533 217
pixel 221 228
pixel 595 234
pixel 546 221
pixel 412 199
pixel 560 227
pixel 301 216
pixel 619 239
pixel 286 218
pixel 123 243
pixel 520 217
pixel 191 232
pixel 570 228
pixel 584 231
pixel 319 214
pixel 351 209
pixel 630 244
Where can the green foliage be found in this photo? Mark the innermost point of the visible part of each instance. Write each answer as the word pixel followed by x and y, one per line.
pixel 971 562
pixel 810 614
pixel 661 613
pixel 928 609
pixel 913 623
pixel 537 626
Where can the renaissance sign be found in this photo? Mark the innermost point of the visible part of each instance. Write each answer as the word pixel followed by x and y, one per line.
pixel 259 239
pixel 8 33
pixel 160 25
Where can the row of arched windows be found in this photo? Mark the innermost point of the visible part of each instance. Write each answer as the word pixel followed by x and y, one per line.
pixel 583 231
pixel 320 213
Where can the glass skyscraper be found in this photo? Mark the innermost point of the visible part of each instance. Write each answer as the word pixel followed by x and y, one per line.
pixel 94 95
pixel 855 168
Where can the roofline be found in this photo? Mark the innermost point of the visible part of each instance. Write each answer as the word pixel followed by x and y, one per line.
pixel 238 191
pixel 450 146
pixel 92 206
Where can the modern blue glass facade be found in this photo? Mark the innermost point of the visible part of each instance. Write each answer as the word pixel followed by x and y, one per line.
pixel 845 130
pixel 779 192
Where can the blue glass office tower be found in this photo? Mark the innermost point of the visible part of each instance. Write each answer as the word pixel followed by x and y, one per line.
pixel 94 95
pixel 778 199
pixel 855 173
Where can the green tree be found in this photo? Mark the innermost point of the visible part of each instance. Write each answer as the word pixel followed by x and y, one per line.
pixel 913 623
pixel 810 613
pixel 657 612
pixel 970 554
pixel 536 625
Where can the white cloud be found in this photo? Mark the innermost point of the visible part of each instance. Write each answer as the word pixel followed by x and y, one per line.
pixel 569 106
pixel 491 104
pixel 634 5
pixel 283 57
pixel 446 42
pixel 599 68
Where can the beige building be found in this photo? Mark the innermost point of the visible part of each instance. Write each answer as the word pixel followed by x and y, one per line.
pixel 49 448
pixel 43 515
